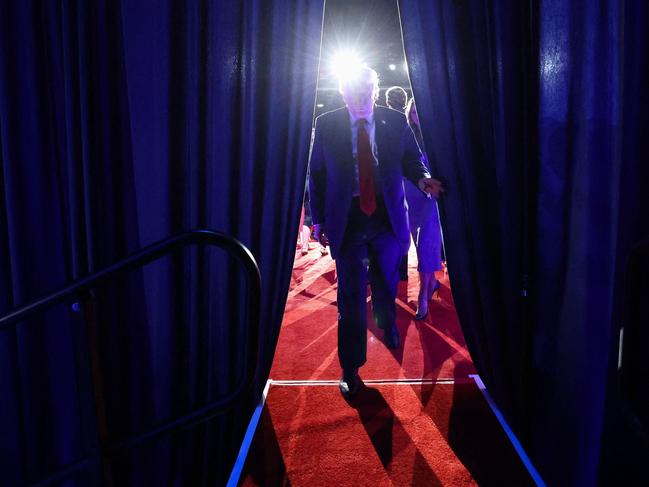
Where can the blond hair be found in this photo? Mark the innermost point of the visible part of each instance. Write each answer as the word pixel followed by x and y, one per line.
pixel 363 76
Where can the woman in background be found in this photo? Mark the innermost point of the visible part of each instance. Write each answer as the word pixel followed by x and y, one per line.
pixel 424 227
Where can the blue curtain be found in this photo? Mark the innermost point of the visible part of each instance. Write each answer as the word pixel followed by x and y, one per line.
pixel 122 123
pixel 471 90
pixel 533 111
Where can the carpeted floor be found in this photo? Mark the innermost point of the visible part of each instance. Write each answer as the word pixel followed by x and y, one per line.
pixel 432 348
pixel 420 420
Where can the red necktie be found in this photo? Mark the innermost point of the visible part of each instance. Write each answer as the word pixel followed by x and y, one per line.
pixel 365 171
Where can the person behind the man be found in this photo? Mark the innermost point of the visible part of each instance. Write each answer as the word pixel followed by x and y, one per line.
pixel 396 98
pixel 359 157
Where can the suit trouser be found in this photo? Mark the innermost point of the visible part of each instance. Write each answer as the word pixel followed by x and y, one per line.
pixel 369 245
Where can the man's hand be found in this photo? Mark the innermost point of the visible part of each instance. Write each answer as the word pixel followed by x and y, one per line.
pixel 319 234
pixel 431 186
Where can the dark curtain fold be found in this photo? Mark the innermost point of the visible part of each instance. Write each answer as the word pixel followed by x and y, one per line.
pixel 625 443
pixel 470 86
pixel 579 182
pixel 122 123
pixel 67 200
pixel 533 112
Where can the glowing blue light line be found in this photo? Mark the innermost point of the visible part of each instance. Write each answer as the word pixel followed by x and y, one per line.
pixel 510 434
pixel 247 440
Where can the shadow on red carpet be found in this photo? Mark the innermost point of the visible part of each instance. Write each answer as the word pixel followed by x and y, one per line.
pixel 436 429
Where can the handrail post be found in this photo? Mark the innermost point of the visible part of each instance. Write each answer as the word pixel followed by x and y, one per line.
pixel 83 286
pixel 89 307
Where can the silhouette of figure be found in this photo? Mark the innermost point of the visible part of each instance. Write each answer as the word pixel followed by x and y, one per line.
pixel 359 157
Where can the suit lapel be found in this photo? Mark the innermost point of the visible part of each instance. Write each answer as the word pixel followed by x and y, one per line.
pixel 343 139
pixel 379 131
pixel 380 126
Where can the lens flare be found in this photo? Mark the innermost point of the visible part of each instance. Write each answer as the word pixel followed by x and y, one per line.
pixel 345 65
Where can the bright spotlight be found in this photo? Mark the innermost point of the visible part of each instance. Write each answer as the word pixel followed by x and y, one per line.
pixel 392 67
pixel 405 66
pixel 346 64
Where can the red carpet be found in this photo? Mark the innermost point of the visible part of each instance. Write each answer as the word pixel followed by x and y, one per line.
pixel 432 348
pixel 439 432
pixel 435 434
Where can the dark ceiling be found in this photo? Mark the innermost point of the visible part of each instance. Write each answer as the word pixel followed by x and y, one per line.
pixel 371 28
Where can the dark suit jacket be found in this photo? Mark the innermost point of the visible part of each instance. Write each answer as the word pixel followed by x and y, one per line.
pixel 332 171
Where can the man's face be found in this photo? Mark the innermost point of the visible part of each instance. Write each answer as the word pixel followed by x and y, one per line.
pixel 359 98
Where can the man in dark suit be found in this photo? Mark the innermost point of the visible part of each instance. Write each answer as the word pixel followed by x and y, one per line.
pixel 359 156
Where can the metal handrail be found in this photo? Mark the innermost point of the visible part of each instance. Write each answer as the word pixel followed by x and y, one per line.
pixel 138 259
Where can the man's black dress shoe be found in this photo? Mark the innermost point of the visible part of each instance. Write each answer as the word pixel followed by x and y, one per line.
pixel 350 383
pixel 391 337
